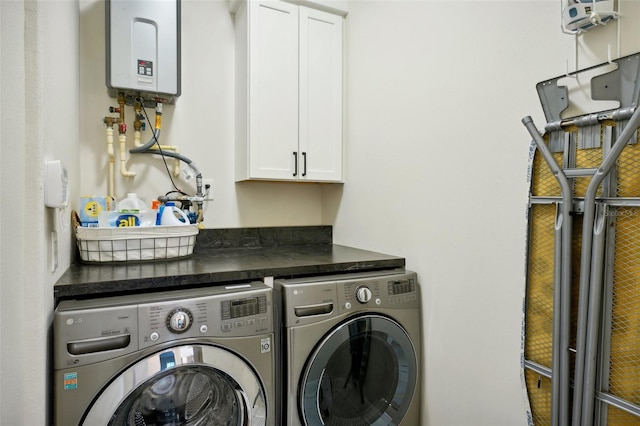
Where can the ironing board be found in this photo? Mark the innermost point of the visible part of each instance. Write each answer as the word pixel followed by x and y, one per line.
pixel 581 331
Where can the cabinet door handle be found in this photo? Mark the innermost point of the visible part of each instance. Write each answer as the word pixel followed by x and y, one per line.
pixel 295 163
pixel 304 158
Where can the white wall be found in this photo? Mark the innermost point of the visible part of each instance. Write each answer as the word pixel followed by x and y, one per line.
pixel 436 162
pixel 201 124
pixel 39 103
pixel 436 172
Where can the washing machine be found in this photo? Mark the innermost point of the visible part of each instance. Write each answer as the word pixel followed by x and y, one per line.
pixel 351 349
pixel 189 357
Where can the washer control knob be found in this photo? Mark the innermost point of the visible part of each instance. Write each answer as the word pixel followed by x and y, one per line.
pixel 179 320
pixel 154 336
pixel 347 305
pixel 363 294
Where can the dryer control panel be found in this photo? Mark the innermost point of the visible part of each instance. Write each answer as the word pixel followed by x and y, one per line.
pixel 308 300
pixel 393 292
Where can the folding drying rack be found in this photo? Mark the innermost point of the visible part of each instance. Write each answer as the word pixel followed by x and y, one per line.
pixel 582 305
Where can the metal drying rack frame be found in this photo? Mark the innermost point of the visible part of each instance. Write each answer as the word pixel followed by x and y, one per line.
pixel 623 85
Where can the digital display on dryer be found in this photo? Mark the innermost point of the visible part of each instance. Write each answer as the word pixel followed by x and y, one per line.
pixel 401 286
pixel 245 307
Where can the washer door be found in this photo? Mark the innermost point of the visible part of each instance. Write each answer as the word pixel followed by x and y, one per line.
pixel 184 385
pixel 363 373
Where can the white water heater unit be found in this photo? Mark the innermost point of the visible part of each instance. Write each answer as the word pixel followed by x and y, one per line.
pixel 143 48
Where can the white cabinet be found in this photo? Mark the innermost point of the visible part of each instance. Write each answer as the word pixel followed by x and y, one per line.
pixel 289 93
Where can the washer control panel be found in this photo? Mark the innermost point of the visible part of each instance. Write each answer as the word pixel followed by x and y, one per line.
pixel 92 330
pixel 231 315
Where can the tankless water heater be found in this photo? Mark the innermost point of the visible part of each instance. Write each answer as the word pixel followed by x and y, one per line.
pixel 143 48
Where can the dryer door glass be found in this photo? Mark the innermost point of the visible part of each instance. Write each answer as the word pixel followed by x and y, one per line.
pixel 363 373
pixel 184 385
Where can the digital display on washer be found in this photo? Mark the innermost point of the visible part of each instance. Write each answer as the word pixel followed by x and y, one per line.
pixel 245 307
pixel 401 286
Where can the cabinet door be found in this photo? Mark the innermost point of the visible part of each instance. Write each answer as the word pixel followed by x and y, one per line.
pixel 320 95
pixel 273 89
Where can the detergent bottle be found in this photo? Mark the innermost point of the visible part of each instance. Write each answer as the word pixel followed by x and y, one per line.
pixel 130 211
pixel 131 204
pixel 171 214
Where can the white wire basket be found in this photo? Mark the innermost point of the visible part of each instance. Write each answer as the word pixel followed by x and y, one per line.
pixel 126 244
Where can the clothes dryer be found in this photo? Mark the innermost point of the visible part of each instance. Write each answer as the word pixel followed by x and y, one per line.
pixel 190 357
pixel 351 349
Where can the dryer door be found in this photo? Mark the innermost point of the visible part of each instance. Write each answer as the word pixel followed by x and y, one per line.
pixel 362 373
pixel 184 385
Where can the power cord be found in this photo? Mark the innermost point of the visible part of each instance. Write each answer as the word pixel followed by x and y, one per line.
pixel 153 132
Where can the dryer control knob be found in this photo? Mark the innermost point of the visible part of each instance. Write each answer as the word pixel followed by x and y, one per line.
pixel 363 294
pixel 179 320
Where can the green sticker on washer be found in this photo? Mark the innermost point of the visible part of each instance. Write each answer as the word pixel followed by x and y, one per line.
pixel 70 381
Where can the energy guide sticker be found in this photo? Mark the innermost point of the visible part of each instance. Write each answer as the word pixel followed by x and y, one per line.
pixel 70 381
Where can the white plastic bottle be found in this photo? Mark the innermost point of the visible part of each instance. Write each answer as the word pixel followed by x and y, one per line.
pixel 169 215
pixel 134 212
pixel 132 204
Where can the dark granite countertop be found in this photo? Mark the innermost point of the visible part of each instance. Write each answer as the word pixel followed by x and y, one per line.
pixel 227 256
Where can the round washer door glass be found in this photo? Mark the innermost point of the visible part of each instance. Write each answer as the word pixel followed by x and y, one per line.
pixel 185 385
pixel 363 373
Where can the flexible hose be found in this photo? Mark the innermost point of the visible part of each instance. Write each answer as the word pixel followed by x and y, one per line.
pixel 167 154
pixel 152 141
